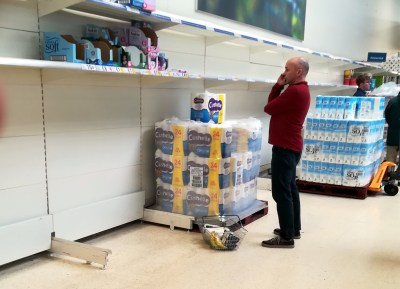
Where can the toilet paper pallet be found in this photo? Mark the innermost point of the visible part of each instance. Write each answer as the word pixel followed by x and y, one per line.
pixel 332 190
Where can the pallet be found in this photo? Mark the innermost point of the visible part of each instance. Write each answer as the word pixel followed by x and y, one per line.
pixel 257 210
pixel 254 213
pixel 332 190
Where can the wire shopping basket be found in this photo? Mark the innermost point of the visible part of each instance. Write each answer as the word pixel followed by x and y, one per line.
pixel 222 232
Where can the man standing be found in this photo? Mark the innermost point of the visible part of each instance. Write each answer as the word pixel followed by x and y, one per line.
pixel 363 85
pixel 288 109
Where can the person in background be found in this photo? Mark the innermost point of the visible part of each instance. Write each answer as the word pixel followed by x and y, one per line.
pixel 392 117
pixel 363 82
pixel 288 109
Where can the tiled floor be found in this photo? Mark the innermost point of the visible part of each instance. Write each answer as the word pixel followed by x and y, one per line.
pixel 346 243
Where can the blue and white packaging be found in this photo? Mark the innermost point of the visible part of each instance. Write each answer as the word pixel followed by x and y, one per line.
pixel 321 129
pixel 342 130
pixel 332 106
pixel 350 105
pixel 314 129
pixel 331 173
pixel 333 145
pixel 325 107
pixel 318 106
pixel 325 152
pixel 303 174
pixel 335 130
pixel 338 174
pixel 329 129
pixel 355 129
pixel 355 157
pixel 340 152
pixel 340 107
pixel 348 151
pixel 308 128
pixel 310 171
pixel 317 172
pixel 324 173
pixel 208 107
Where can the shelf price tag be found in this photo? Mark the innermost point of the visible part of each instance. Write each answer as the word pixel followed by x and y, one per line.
pixel 90 67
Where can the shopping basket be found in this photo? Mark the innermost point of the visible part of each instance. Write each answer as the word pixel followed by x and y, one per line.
pixel 222 232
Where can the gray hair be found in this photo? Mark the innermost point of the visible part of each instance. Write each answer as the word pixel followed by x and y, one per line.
pixel 303 64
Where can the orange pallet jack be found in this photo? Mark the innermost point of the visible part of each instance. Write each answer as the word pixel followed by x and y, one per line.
pixel 386 178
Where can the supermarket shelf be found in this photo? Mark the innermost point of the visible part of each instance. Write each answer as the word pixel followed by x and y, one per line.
pixel 162 20
pixel 211 81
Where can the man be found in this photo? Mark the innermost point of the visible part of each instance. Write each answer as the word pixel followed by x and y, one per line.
pixel 392 117
pixel 288 109
pixel 363 82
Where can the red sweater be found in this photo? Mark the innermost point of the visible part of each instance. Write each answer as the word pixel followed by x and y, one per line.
pixel 288 111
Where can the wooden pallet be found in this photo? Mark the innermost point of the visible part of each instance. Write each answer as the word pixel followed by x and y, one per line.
pixel 255 215
pixel 332 190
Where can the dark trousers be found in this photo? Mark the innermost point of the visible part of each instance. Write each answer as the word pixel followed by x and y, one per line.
pixel 284 190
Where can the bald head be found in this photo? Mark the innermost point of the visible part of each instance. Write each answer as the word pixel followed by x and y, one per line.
pixel 302 63
pixel 296 70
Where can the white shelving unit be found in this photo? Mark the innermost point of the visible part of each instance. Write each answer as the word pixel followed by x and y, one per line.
pixel 78 143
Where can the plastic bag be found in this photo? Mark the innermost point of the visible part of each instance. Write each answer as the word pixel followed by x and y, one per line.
pixel 386 89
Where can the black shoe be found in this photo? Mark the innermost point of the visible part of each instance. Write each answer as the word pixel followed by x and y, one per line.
pixel 278 242
pixel 297 234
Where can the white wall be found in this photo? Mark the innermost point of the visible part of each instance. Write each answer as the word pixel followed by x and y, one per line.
pixel 344 28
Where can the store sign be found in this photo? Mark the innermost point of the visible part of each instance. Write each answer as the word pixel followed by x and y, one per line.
pixel 376 57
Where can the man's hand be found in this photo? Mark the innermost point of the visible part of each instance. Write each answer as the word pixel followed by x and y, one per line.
pixel 281 80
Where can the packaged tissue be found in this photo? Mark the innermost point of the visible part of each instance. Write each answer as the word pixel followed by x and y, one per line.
pixel 208 107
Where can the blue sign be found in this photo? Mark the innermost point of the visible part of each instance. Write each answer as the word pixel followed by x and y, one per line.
pixel 376 57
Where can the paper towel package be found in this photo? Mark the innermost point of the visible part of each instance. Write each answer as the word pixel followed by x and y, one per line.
pixel 208 107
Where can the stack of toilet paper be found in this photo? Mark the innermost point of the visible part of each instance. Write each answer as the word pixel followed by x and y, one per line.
pixel 207 169
pixel 345 148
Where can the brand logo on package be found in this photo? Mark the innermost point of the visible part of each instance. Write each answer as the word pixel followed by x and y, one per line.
pixel 52 44
pixel 195 199
pixel 376 57
pixel 214 105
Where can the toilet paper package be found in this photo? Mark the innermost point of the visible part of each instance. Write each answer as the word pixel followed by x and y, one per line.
pixel 317 172
pixel 370 107
pixel 198 170
pixel 340 107
pixel 171 169
pixel 332 106
pixel 321 129
pixel 303 174
pixel 324 173
pixel 195 202
pixel 208 107
pixel 338 174
pixel 171 137
pixel 333 151
pixel 307 129
pixel 350 105
pixel 318 106
pixel 325 107
pixel 331 173
pixel 164 196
